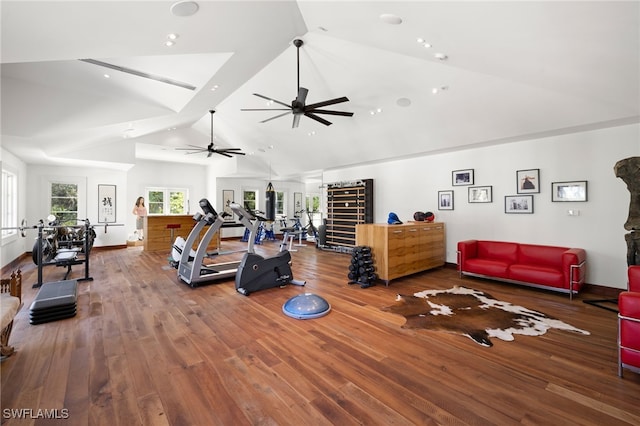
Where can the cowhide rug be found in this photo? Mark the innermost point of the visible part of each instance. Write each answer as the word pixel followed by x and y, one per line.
pixel 474 314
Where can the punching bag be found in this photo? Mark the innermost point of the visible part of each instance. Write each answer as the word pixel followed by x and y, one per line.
pixel 270 203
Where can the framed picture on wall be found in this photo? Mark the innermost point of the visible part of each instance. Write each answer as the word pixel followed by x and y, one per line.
pixel 462 177
pixel 445 200
pixel 569 191
pixel 227 199
pixel 518 204
pixel 106 203
pixel 528 181
pixel 480 194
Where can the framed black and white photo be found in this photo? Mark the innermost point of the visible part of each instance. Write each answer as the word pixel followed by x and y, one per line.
pixel 569 191
pixel 518 204
pixel 528 181
pixel 480 194
pixel 462 177
pixel 106 203
pixel 227 199
pixel 445 200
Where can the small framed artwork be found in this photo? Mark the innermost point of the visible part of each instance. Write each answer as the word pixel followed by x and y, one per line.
pixel 569 191
pixel 481 194
pixel 445 200
pixel 227 199
pixel 528 181
pixel 106 203
pixel 462 177
pixel 519 204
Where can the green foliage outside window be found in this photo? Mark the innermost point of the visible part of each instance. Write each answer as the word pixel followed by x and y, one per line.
pixel 155 203
pixel 176 202
pixel 64 203
pixel 249 198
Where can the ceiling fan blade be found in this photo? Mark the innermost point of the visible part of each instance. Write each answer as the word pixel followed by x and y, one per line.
pixel 196 152
pixel 190 149
pixel 221 153
pixel 302 95
pixel 209 154
pixel 277 116
pixel 271 99
pixel 265 109
pixel 296 121
pixel 229 149
pixel 325 103
pixel 330 112
pixel 318 119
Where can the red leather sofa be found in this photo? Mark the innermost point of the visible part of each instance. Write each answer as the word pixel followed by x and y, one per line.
pixel 629 323
pixel 550 267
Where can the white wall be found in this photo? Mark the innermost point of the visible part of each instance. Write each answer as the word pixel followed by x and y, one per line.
pixel 410 185
pixel 37 186
pixel 166 175
pixel 238 185
pixel 13 247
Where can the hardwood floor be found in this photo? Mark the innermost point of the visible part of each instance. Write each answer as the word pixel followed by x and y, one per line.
pixel 147 349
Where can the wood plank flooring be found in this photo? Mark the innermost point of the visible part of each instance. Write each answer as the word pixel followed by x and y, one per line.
pixel 146 349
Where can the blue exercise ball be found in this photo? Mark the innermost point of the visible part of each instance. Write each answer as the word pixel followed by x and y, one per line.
pixel 306 306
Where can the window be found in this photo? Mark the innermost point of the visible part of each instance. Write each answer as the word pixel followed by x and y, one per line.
pixel 250 199
pixel 280 203
pixel 313 207
pixel 167 201
pixel 9 203
pixel 64 202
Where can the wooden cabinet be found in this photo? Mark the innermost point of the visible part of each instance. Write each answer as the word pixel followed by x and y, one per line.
pixel 400 250
pixel 348 204
pixel 157 234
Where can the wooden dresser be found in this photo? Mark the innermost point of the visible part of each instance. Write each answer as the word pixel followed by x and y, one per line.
pixel 400 250
pixel 157 234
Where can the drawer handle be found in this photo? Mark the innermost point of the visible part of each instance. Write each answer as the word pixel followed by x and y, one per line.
pixel 397 232
pixel 413 230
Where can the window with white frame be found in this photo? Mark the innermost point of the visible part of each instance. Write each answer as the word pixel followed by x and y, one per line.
pixel 250 199
pixel 167 201
pixel 280 203
pixel 64 202
pixel 9 203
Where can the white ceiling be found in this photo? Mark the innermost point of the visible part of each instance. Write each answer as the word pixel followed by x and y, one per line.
pixel 514 70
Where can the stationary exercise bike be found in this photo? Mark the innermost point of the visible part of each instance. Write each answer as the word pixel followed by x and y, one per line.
pixel 257 272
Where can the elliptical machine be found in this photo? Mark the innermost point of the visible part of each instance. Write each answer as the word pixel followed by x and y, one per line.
pixel 256 272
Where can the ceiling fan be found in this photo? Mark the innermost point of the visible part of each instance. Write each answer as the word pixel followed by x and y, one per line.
pixel 211 148
pixel 298 107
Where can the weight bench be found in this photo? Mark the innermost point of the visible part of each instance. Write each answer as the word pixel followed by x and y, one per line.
pixel 54 301
pixel 66 258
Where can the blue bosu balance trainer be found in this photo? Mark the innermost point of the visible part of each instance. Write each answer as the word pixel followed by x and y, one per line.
pixel 306 306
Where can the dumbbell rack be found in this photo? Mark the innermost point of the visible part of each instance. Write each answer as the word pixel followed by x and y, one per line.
pixel 362 269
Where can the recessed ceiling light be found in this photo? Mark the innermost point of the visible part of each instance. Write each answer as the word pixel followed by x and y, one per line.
pixel 184 8
pixel 106 76
pixel 172 36
pixel 215 86
pixel 440 56
pixel 389 18
pixel 169 43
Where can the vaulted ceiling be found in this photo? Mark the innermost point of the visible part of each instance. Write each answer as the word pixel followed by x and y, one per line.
pixel 495 72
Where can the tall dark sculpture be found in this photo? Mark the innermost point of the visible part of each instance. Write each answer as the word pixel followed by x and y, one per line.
pixel 629 171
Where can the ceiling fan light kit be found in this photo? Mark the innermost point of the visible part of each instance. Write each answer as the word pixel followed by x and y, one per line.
pixel 298 106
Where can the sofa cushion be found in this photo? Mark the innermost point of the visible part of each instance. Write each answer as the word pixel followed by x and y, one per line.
pixel 493 268
pixel 498 250
pixel 537 274
pixel 531 254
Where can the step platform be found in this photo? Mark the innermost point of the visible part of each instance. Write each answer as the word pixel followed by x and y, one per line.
pixel 54 301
